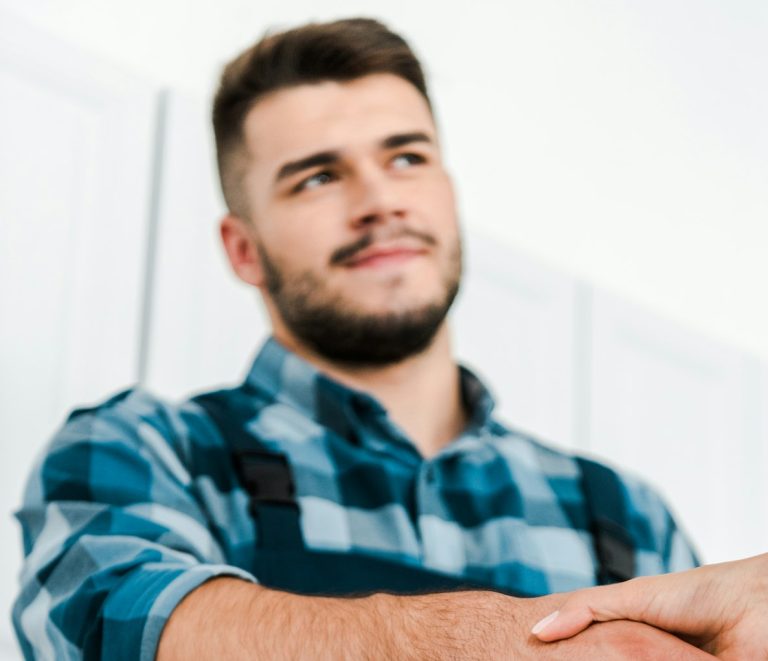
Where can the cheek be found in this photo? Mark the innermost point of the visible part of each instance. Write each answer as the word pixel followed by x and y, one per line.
pixel 305 235
pixel 438 204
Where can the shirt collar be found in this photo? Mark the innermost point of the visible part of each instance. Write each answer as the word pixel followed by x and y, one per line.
pixel 477 398
pixel 285 377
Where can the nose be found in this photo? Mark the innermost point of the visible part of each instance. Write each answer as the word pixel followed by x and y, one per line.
pixel 374 199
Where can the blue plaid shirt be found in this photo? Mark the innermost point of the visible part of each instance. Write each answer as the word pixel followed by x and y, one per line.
pixel 135 504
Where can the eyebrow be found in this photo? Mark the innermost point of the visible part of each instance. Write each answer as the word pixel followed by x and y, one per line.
pixel 330 157
pixel 400 139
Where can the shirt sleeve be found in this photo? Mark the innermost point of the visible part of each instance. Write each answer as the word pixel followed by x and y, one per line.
pixel 113 536
pixel 664 546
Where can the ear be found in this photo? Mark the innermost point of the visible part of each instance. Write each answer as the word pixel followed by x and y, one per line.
pixel 239 240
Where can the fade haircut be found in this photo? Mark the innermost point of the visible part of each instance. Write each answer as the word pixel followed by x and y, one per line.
pixel 317 52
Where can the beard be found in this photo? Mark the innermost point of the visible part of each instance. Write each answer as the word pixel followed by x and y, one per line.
pixel 334 329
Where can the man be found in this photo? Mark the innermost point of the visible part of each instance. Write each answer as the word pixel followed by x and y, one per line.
pixel 333 505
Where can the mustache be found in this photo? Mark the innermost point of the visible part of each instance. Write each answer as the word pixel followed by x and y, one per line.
pixel 342 254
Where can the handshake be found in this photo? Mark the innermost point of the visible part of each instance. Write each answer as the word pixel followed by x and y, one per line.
pixel 720 609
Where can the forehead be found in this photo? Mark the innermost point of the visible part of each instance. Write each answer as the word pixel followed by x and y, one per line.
pixel 296 121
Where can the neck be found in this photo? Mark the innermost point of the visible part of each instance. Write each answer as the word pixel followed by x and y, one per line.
pixel 422 394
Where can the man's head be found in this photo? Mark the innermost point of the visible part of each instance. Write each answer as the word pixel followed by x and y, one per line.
pixel 314 53
pixel 340 209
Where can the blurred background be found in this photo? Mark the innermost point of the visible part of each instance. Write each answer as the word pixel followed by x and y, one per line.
pixel 611 160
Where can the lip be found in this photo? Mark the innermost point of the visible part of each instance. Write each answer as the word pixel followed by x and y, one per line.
pixel 384 256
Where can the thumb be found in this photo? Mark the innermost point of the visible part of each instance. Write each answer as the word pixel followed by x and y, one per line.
pixel 580 610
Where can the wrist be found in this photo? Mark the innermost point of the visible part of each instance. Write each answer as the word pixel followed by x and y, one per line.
pixel 450 624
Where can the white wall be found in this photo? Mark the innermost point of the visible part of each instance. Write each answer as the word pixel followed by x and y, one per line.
pixel 621 142
pixel 76 165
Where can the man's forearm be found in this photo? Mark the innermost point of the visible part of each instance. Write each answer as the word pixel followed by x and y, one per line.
pixel 231 618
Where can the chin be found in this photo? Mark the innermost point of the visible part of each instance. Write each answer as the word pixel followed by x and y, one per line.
pixel 394 300
pixel 390 309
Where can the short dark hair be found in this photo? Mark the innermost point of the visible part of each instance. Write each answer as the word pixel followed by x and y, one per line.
pixel 339 51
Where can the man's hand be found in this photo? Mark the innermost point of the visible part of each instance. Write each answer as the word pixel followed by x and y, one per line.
pixel 721 608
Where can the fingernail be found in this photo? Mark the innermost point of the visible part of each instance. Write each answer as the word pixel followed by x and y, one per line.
pixel 543 624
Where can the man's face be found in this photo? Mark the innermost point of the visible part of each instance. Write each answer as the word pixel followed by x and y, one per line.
pixel 353 215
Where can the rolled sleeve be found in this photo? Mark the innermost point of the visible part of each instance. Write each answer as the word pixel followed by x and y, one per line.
pixel 114 538
pixel 135 613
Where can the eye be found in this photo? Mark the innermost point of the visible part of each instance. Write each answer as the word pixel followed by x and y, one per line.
pixel 315 181
pixel 406 160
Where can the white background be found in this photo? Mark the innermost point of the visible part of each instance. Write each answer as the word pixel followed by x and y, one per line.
pixel 607 154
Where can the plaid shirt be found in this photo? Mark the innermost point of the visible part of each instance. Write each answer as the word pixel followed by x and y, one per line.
pixel 135 504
